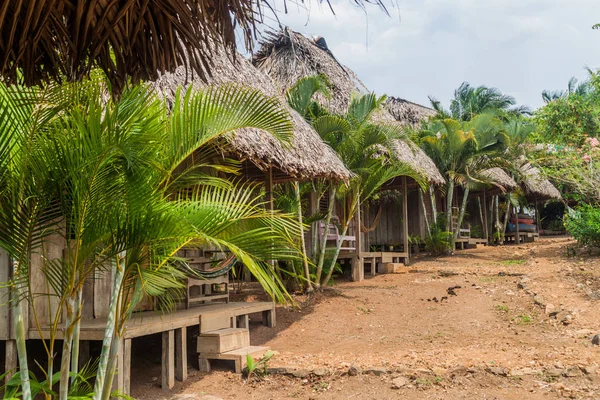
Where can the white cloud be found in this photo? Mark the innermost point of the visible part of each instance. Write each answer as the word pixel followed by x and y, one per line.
pixel 429 47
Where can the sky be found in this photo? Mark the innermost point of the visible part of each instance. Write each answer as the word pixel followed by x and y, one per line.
pixel 429 47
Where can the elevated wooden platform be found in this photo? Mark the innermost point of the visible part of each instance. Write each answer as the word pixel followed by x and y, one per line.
pixel 383 257
pixel 524 237
pixel 173 327
pixel 466 242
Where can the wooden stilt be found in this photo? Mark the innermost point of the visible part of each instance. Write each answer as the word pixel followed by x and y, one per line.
pixel 126 366
pixel 517 234
pixel 10 360
pixel 405 219
pixel 537 216
pixel 168 360
pixel 181 372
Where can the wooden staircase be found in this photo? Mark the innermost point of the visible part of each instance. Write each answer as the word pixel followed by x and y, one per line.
pixel 231 344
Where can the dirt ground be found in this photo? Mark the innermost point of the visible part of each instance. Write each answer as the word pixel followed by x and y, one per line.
pixel 519 327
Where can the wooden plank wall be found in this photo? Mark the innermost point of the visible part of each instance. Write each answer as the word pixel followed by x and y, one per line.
pixel 4 299
pixel 44 300
pixel 389 230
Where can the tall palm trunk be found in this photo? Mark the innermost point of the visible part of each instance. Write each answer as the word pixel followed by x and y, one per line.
pixel 324 237
pixel 449 198
pixel 109 333
pixel 433 206
pixel 19 324
pixel 421 197
pixel 76 331
pixel 65 365
pixel 461 214
pixel 506 217
pixel 309 287
pixel 483 227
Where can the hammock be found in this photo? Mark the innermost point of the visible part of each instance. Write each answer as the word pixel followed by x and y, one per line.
pixel 222 268
pixel 364 229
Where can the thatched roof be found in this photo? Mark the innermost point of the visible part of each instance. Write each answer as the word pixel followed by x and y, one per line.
pixel 288 56
pixel 535 184
pixel 128 39
pixel 416 158
pixel 500 178
pixel 407 112
pixel 308 157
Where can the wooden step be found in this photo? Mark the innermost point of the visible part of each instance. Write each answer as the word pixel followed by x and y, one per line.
pixel 237 356
pixel 223 340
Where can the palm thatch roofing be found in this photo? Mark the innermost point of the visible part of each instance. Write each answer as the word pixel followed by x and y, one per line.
pixel 407 112
pixel 535 184
pixel 43 40
pixel 500 178
pixel 288 56
pixel 308 157
pixel 413 156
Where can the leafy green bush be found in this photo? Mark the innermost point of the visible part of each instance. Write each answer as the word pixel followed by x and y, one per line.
pixel 439 240
pixel 584 224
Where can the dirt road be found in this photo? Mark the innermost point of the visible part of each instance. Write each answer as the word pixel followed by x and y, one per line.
pixel 512 322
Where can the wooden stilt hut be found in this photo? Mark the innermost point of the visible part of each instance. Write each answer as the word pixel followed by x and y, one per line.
pixel 536 189
pixel 263 159
pixel 288 56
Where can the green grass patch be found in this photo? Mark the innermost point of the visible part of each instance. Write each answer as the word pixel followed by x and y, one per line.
pixel 524 319
pixel 501 307
pixel 513 262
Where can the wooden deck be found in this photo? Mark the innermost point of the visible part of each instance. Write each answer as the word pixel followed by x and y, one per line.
pixel 173 327
pixel 383 257
pixel 524 237
pixel 462 242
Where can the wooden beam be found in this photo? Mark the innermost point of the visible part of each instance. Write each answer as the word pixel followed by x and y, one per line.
pixel 517 236
pixel 405 219
pixel 269 189
pixel 181 372
pixel 537 216
pixel 168 360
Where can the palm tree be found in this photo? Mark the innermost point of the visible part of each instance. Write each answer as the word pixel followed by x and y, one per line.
pixel 115 179
pixel 469 101
pixel 461 150
pixel 363 146
pixel 573 87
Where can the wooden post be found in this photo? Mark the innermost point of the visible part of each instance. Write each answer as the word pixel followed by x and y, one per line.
pixel 10 360
pixel 537 217
pixel 181 372
pixel 126 366
pixel 405 218
pixel 168 360
pixel 517 234
pixel 486 231
pixel 358 268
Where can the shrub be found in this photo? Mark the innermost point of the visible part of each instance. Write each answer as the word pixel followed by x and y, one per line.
pixel 584 224
pixel 439 240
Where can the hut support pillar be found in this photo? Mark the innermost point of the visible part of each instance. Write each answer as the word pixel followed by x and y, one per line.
pixel 358 268
pixel 537 216
pixel 517 233
pixel 10 360
pixel 405 219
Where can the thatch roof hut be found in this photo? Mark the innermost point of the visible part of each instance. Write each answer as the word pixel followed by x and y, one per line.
pixel 407 112
pixel 500 179
pixel 536 185
pixel 288 56
pixel 308 157
pixel 412 155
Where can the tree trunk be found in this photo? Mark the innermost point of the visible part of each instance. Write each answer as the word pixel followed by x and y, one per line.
pixel 461 214
pixel 20 337
pixel 421 197
pixel 75 346
pixel 433 205
pixel 109 333
pixel 449 198
pixel 65 365
pixel 506 217
pixel 483 227
pixel 309 287
pixel 324 238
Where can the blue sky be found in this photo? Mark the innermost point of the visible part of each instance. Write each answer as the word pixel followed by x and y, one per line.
pixel 429 47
